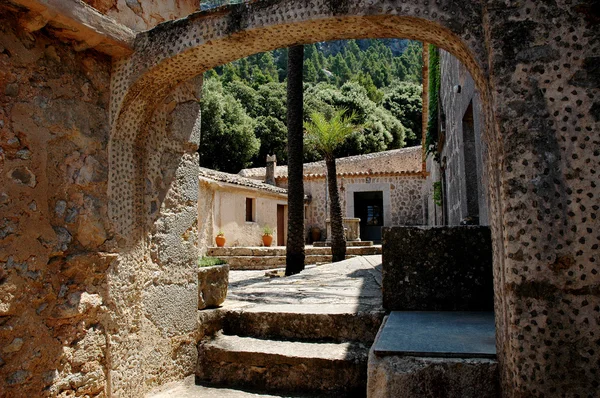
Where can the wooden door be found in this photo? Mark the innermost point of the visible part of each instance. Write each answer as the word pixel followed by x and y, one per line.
pixel 280 225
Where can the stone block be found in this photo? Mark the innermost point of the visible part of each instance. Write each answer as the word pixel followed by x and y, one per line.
pixel 212 285
pixel 415 377
pixel 437 269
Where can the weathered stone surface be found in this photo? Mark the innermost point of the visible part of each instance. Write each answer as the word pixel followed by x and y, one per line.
pixel 255 258
pixel 77 21
pixel 437 268
pixel 212 285
pixel 52 287
pixel 304 322
pixel 171 307
pixel 283 365
pixel 401 376
pixel 542 163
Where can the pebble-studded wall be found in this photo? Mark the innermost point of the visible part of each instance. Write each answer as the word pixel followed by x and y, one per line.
pixel 535 65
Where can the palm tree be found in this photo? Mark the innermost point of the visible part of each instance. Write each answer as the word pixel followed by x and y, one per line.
pixel 325 135
pixel 295 241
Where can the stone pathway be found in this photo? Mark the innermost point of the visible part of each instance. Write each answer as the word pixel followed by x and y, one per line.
pixel 323 319
pixel 350 285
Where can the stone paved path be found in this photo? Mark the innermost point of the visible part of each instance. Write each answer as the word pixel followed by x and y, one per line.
pixel 350 285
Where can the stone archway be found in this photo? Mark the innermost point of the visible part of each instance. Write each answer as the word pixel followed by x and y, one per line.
pixel 533 255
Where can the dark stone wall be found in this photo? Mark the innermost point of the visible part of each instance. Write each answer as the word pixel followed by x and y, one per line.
pixel 463 152
pixel 437 269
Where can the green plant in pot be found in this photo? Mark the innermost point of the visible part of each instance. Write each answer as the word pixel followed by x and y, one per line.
pixel 267 236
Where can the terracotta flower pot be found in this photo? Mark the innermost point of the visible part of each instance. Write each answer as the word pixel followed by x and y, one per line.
pixel 267 240
pixel 220 240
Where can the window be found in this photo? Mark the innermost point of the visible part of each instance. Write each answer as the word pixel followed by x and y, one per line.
pixel 250 207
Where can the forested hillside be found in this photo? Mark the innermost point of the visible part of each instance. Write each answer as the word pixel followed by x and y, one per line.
pixel 244 102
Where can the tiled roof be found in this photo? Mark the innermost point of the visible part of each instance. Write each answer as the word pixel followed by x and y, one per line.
pixel 239 180
pixel 396 161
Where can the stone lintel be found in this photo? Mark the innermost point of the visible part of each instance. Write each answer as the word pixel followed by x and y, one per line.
pixel 77 21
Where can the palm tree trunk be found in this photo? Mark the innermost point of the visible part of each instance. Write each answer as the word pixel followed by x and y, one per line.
pixel 338 242
pixel 295 239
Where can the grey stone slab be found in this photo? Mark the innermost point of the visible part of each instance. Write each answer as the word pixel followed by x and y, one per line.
pixel 438 334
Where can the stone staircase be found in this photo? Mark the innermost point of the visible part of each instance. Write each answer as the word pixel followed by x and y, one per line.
pixel 289 352
pixel 258 258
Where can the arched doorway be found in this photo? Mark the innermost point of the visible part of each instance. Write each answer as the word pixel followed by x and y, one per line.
pixel 147 85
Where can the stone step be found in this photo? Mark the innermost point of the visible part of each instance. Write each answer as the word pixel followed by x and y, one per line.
pixel 353 243
pixel 269 262
pixel 336 323
pixel 188 389
pixel 280 251
pixel 283 366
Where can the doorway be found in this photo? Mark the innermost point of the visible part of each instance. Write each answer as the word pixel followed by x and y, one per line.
pixel 281 224
pixel 368 206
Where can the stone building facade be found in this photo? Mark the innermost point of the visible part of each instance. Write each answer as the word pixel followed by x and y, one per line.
pixel 241 208
pixel 389 183
pixel 102 117
pixel 460 168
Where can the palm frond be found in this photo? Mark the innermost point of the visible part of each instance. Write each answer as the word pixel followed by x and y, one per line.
pixel 325 135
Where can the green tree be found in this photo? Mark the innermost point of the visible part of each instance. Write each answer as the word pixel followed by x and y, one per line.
pixel 326 135
pixel 310 73
pixel 228 142
pixel 295 240
pixel 366 82
pixel 405 101
pixel 340 69
pixel 247 96
pixel 272 134
pixel 381 131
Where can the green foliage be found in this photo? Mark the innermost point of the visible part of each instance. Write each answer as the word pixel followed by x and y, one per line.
pixel 404 100
pixel 437 193
pixel 228 140
pixel 431 138
pixel 207 261
pixel 245 119
pixel 266 230
pixel 325 134
pixel 272 134
pixel 381 130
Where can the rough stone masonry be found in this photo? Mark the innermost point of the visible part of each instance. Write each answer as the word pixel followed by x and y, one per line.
pixel 98 177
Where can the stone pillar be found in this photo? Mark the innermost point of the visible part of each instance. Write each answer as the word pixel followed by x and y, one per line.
pixel 546 99
pixel 154 286
pixel 270 170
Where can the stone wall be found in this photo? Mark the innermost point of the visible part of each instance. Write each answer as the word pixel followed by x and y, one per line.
pixel 437 269
pixel 402 198
pixel 460 167
pixel 56 244
pixel 463 152
pixel 142 15
pixel 534 64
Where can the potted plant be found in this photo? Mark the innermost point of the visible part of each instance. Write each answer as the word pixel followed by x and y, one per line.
pixel 267 236
pixel 213 280
pixel 220 239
